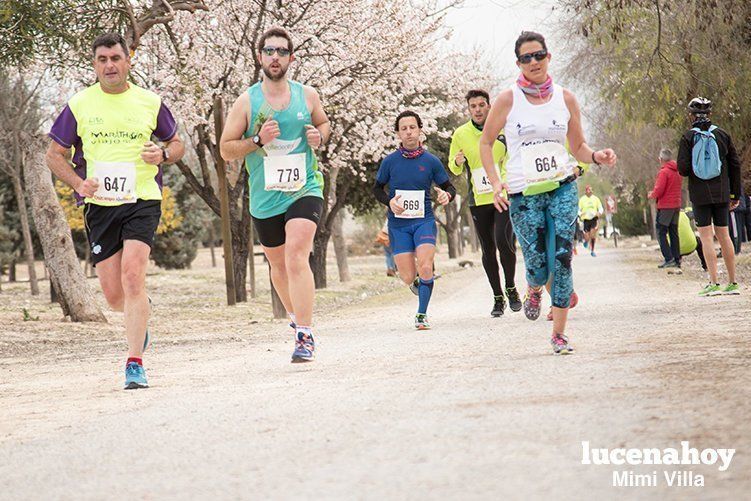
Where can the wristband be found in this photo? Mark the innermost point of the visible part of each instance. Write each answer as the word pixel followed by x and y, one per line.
pixel 593 159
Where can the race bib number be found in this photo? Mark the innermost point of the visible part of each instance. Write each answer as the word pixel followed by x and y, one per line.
pixel 544 162
pixel 413 202
pixel 284 172
pixel 481 182
pixel 117 182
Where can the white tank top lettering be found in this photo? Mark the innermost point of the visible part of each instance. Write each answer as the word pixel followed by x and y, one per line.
pixel 537 130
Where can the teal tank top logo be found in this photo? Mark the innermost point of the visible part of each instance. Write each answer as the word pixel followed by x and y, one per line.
pixel 286 169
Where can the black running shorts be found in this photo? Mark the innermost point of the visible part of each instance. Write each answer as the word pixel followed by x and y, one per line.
pixel 271 232
pixel 589 224
pixel 108 227
pixel 705 215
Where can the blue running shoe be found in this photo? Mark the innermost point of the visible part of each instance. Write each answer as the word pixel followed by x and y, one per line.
pixel 305 348
pixel 593 254
pixel 135 376
pixel 586 244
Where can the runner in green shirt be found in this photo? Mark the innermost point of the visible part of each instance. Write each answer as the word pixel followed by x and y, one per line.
pixel 494 228
pixel 590 210
pixel 108 131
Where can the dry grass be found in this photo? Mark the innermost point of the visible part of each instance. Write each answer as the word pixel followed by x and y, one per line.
pixel 189 307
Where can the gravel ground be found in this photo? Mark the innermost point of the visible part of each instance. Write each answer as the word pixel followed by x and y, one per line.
pixel 477 408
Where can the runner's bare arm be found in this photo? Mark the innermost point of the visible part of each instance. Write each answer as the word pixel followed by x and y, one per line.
pixel 579 148
pixel 233 145
pixel 176 149
pixel 58 160
pixel 495 122
pixel 317 115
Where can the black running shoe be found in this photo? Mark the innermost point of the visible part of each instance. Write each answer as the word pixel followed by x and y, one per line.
pixel 498 306
pixel 513 299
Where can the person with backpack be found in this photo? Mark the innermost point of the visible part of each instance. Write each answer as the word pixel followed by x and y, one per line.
pixel 706 156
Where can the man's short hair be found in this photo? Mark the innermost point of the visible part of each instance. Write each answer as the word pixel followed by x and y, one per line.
pixel 528 36
pixel 109 40
pixel 405 114
pixel 477 93
pixel 666 154
pixel 275 31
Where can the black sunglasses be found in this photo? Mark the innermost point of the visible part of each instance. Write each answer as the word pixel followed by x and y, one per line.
pixel 527 58
pixel 282 51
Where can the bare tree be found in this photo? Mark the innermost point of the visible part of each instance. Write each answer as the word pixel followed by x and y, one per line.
pixel 66 275
pixel 19 111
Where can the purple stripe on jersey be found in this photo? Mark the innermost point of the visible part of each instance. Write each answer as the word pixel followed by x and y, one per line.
pixel 80 166
pixel 65 133
pixel 65 129
pixel 158 177
pixel 166 126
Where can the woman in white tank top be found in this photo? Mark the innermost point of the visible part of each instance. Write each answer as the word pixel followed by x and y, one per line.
pixel 538 117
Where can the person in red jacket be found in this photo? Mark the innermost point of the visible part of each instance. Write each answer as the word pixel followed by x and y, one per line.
pixel 667 192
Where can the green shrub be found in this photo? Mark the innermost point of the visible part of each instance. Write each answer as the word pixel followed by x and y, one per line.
pixel 630 221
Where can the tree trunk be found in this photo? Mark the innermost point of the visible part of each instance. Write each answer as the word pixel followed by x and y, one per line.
pixel 234 288
pixel 240 262
pixel 75 297
pixel 652 219
pixel 340 247
pixel 55 296
pixel 277 307
pixel 26 230
pixel 87 268
pixel 53 292
pixel 474 241
pixel 252 261
pixel 12 271
pixel 452 233
pixel 318 258
pixel 212 239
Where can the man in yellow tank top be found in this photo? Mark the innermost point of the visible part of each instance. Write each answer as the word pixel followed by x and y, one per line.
pixel 111 127
pixel 590 210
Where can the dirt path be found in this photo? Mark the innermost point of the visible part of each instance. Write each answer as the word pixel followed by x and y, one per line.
pixel 477 408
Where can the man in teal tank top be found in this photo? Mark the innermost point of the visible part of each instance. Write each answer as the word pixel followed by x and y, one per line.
pixel 117 173
pixel 276 126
